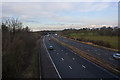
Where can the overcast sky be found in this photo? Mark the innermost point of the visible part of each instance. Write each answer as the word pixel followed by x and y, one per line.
pixel 57 15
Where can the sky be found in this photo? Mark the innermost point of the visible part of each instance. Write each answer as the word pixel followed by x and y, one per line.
pixel 61 15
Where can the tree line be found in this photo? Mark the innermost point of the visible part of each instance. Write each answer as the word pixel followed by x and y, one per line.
pixel 104 31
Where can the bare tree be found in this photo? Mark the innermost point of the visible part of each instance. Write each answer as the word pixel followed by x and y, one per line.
pixel 13 24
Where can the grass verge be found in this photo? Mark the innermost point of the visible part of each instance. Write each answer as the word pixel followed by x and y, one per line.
pixel 90 43
pixel 108 41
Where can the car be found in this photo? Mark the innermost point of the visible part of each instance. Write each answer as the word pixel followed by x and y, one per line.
pixel 50 47
pixel 116 56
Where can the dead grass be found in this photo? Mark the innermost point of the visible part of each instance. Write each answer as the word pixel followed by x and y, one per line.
pixel 92 44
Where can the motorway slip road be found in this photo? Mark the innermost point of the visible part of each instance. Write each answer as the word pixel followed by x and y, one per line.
pixel 70 65
pixel 104 54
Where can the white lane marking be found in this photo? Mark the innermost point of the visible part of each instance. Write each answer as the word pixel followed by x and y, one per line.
pixel 51 59
pixel 57 53
pixel 100 78
pixel 83 66
pixel 70 67
pixel 61 50
pixel 73 58
pixel 62 59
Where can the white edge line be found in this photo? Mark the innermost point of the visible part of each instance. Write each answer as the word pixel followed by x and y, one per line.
pixel 51 60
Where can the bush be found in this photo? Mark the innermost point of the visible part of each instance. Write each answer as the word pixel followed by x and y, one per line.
pixel 97 42
pixel 102 43
pixel 17 51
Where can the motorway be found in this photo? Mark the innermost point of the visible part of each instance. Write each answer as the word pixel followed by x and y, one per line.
pixel 70 65
pixel 104 54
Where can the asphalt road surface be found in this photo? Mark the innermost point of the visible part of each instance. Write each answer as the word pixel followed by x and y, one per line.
pixel 104 54
pixel 70 65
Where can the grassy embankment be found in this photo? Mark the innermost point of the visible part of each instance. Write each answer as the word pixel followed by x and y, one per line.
pixel 107 41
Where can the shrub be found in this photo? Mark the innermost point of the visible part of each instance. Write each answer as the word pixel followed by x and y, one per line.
pixel 17 51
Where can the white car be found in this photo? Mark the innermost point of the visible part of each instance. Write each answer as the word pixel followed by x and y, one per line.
pixel 116 56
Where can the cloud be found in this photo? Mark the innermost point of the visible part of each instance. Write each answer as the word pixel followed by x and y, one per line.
pixel 85 7
pixel 36 9
pixel 53 12
pixel 60 0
